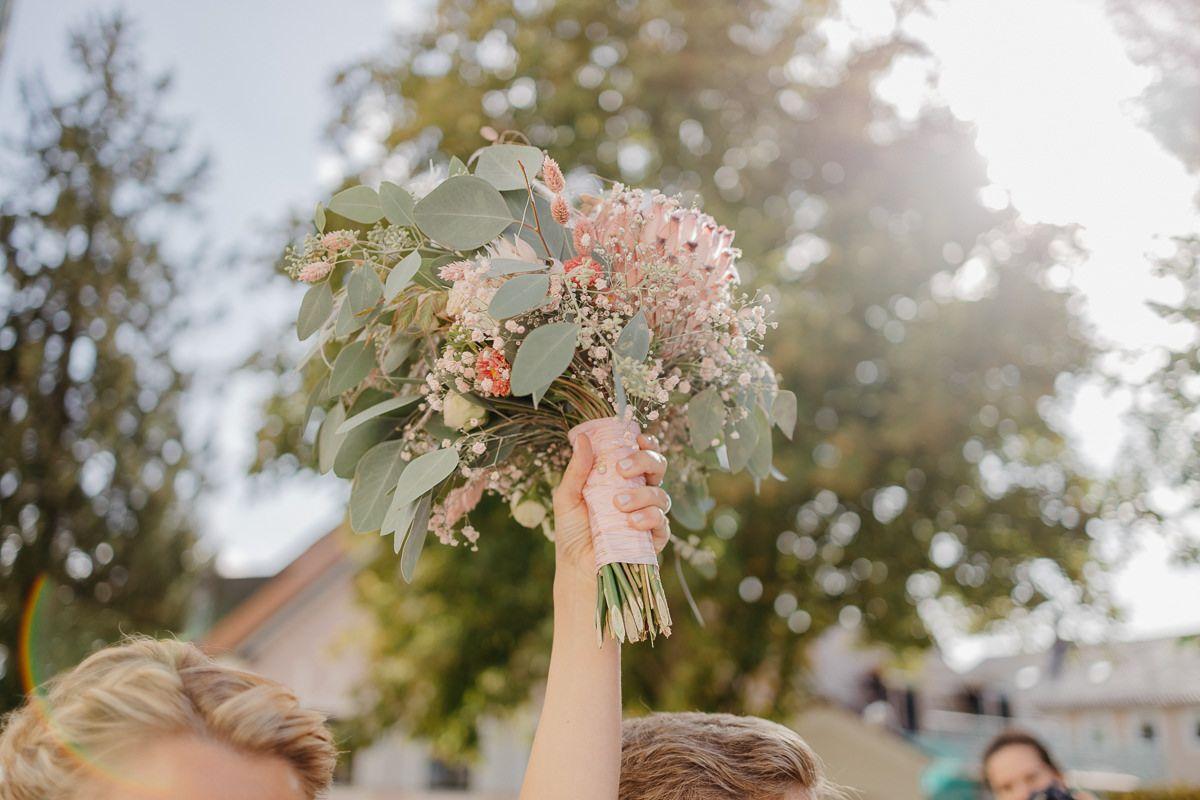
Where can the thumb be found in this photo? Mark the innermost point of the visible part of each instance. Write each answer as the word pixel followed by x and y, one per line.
pixel 577 469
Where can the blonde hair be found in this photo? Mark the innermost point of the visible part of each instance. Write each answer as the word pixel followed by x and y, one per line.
pixel 142 688
pixel 694 756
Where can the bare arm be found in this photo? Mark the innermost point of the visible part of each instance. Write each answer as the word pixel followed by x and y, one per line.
pixel 577 747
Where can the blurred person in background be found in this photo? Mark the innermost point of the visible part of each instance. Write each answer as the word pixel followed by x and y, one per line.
pixel 1017 766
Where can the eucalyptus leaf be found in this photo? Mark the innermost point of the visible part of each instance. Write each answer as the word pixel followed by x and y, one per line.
pixel 378 410
pixel 415 541
pixel 634 340
pixel 363 288
pixel 352 364
pixel 358 203
pixel 543 356
pixel 463 213
pixel 328 439
pixel 396 352
pixel 457 167
pixel 397 521
pixel 375 477
pixel 347 321
pixel 356 443
pixel 319 218
pixel 425 472
pixel 315 309
pixel 518 295
pixel 740 439
pixel 706 418
pixel 760 459
pixel 397 205
pixel 512 266
pixel 314 398
pixel 556 236
pixel 783 412
pixel 500 165
pixel 402 275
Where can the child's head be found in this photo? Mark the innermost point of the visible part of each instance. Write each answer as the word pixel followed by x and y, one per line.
pixel 717 757
pixel 156 719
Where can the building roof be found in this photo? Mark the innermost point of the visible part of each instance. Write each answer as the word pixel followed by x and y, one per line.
pixel 1158 672
pixel 273 596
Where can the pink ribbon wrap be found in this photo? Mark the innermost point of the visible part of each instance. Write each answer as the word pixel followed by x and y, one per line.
pixel 614 539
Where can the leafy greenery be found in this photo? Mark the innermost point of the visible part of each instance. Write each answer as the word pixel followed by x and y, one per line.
pixel 94 476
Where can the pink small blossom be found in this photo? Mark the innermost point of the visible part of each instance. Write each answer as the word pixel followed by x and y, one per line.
pixel 559 210
pixel 315 271
pixel 553 176
pixel 337 241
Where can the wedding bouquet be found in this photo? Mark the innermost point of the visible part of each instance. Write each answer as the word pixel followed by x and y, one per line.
pixel 470 334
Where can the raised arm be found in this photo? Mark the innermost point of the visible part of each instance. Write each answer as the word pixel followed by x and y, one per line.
pixel 577 747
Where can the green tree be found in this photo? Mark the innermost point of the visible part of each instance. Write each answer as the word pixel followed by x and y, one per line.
pixel 94 477
pixel 922 330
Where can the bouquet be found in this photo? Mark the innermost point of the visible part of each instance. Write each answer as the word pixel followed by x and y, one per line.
pixel 468 334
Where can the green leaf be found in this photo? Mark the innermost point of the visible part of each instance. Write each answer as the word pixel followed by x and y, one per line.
pixel 706 418
pixel 375 477
pixel 500 165
pixel 463 213
pixel 457 167
pixel 760 458
pixel 543 356
pixel 519 294
pixel 319 218
pixel 397 205
pixel 425 472
pixel 351 365
pixel 398 520
pixel 315 309
pixel 396 352
pixel 357 442
pixel 415 541
pixel 402 275
pixel 378 410
pixel 634 341
pixel 358 203
pixel 741 446
pixel 556 236
pixel 511 266
pixel 363 288
pixel 314 398
pixel 328 439
pixel 347 321
pixel 783 412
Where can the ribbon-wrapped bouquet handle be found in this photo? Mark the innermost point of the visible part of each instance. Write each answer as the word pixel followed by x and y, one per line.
pixel 629 592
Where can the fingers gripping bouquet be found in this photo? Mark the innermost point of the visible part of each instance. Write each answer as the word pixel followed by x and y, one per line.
pixel 470 336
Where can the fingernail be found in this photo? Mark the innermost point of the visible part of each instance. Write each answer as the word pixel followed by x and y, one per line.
pixel 623 499
pixel 625 463
pixel 642 516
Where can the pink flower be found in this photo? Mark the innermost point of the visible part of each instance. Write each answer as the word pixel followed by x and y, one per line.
pixel 581 270
pixel 559 210
pixel 337 241
pixel 461 500
pixel 453 271
pixel 315 271
pixel 553 176
pixel 492 372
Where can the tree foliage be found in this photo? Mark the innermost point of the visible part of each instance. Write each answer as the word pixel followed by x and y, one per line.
pixel 925 333
pixel 94 476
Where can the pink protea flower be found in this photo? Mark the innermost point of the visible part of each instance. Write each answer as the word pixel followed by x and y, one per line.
pixel 492 372
pixel 315 271
pixel 337 241
pixel 560 210
pixel 553 176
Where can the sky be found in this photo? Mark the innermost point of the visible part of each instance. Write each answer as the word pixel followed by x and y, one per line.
pixel 1047 84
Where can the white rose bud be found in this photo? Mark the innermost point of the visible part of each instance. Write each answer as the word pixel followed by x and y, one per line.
pixel 461 413
pixel 529 513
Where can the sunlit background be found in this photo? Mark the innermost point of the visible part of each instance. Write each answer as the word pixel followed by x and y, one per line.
pixel 1050 87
